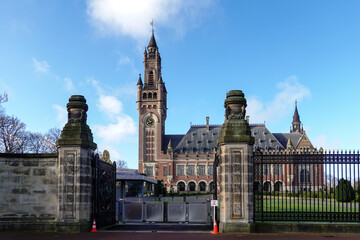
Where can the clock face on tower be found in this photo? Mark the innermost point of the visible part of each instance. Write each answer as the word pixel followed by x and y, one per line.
pixel 150 122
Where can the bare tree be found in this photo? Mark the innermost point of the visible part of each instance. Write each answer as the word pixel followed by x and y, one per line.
pixel 35 142
pixel 49 143
pixel 13 137
pixel 121 164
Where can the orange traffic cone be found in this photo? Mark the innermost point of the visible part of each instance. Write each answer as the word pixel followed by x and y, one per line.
pixel 94 226
pixel 215 228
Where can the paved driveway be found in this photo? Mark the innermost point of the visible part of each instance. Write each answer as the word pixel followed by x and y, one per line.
pixel 166 236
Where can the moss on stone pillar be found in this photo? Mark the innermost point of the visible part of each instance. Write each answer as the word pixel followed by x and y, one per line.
pixel 76 130
pixel 235 127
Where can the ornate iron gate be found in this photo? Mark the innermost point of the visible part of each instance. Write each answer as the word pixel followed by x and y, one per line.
pixel 104 191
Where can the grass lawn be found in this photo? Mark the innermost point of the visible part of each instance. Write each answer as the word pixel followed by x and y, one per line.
pixel 295 204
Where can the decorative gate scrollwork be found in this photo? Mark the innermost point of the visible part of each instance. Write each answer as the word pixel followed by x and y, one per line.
pixel 104 191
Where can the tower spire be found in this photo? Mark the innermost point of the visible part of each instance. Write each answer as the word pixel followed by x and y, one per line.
pixel 296 120
pixel 152 43
pixel 296 117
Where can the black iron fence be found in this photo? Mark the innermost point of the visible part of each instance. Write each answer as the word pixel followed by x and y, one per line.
pixel 306 185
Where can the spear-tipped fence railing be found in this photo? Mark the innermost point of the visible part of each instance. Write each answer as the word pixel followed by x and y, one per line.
pixel 306 185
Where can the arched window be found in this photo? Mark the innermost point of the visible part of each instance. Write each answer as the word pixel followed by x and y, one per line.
pixel 304 176
pixel 267 187
pixel 144 95
pixel 155 95
pixel 181 187
pixel 202 187
pixel 191 187
pixel 211 186
pixel 151 78
pixel 150 95
pixel 278 187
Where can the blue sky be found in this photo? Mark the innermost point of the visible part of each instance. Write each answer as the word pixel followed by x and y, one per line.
pixel 275 51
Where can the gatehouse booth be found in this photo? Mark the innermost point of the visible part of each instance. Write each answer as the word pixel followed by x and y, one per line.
pixel 130 185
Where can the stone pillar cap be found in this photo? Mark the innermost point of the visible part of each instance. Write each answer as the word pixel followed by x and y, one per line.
pixel 235 96
pixel 77 101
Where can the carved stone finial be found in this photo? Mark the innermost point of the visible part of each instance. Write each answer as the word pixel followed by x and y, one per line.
pixel 235 104
pixel 77 109
pixel 235 127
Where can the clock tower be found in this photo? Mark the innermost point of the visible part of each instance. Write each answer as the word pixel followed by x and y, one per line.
pixel 151 106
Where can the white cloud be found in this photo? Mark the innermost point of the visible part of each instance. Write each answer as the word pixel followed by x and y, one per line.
pixel 120 127
pixel 41 66
pixel 132 18
pixel 61 117
pixel 283 102
pixel 326 143
pixel 124 60
pixel 95 84
pixel 118 131
pixel 69 85
pixel 110 105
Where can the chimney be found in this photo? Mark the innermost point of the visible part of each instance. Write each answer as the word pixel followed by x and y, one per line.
pixel 248 119
pixel 207 123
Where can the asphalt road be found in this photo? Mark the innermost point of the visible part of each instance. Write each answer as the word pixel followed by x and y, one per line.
pixel 166 236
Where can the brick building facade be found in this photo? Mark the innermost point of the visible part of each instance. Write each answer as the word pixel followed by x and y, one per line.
pixel 185 162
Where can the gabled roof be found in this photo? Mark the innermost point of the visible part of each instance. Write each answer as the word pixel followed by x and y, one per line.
pixel 200 140
pixel 283 138
pixel 264 139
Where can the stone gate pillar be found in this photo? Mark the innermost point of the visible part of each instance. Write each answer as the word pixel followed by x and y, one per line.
pixel 235 173
pixel 76 150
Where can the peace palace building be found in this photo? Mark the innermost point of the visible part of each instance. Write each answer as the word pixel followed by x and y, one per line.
pixel 185 162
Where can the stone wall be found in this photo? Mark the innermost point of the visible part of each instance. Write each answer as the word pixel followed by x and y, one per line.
pixel 28 191
pixel 51 192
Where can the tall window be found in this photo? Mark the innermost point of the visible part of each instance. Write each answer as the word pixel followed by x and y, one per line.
pixel 165 170
pixel 150 145
pixel 211 169
pixel 180 170
pixel 201 170
pixel 278 169
pixel 151 78
pixel 304 176
pixel 266 169
pixel 191 170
